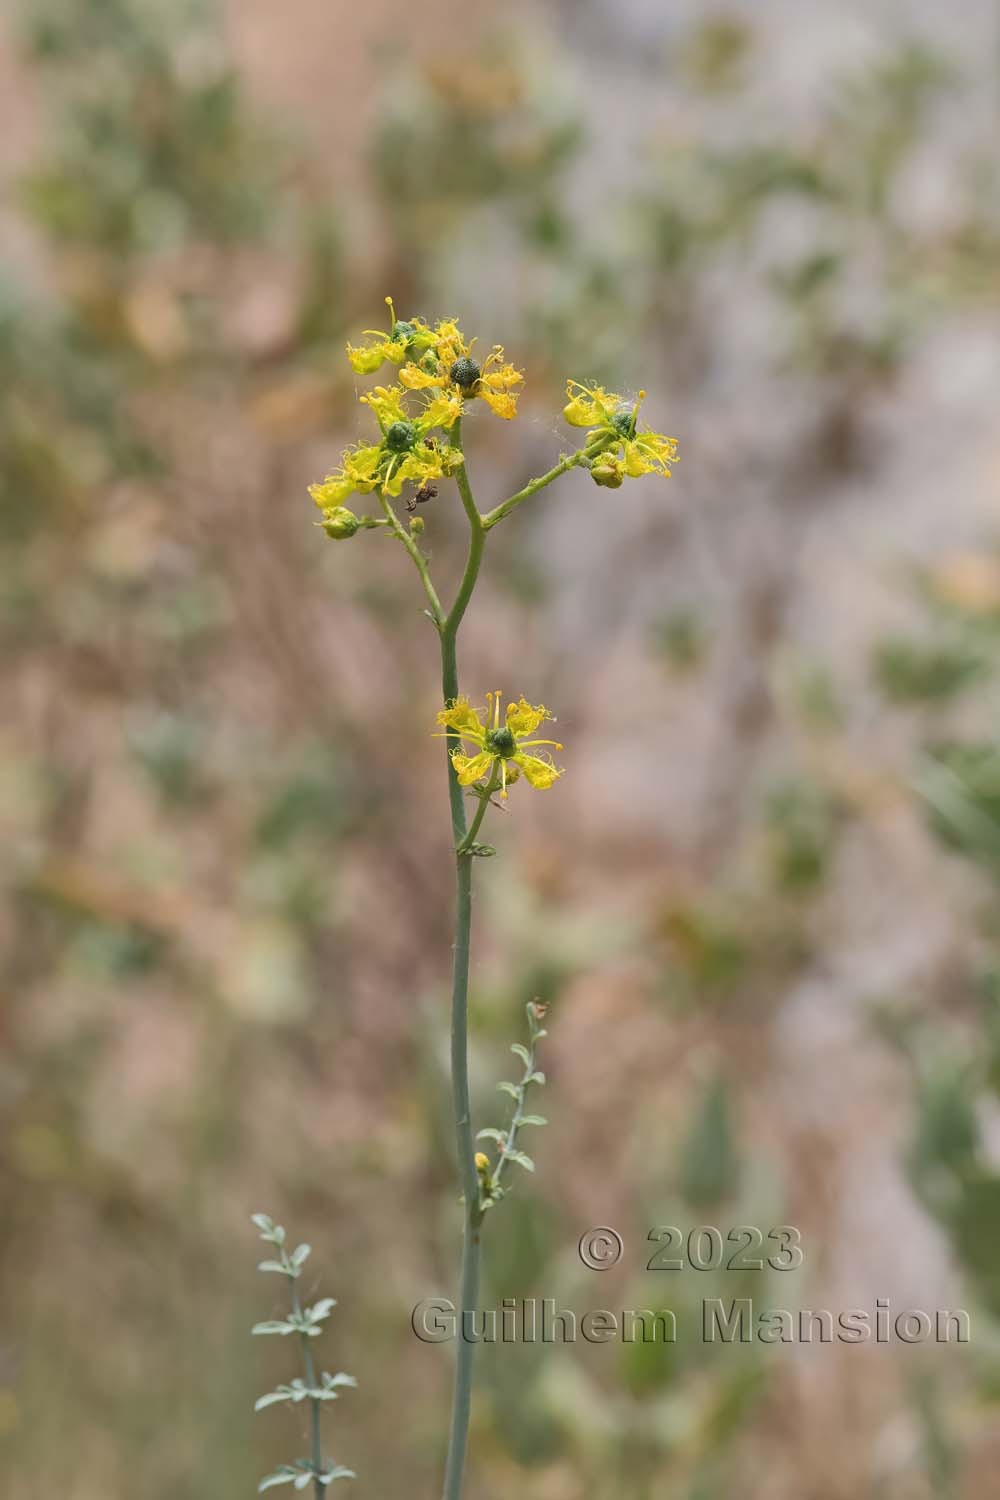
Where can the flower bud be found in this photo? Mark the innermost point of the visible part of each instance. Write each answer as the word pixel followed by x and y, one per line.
pixel 607 471
pixel 416 525
pixel 340 522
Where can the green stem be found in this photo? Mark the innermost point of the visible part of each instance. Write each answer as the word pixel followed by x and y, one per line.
pixel 419 561
pixel 515 1122
pixel 461 1105
pixel 319 1488
pixel 571 461
pixel 469 1286
pixel 485 794
pixel 448 626
pixel 477 540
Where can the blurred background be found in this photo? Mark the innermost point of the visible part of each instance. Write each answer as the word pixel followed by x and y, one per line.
pixel 763 901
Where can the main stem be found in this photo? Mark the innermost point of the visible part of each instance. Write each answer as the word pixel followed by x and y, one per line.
pixel 464 1140
pixel 447 627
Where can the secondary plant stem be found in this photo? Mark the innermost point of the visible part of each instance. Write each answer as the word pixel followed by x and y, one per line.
pixel 319 1488
pixel 571 461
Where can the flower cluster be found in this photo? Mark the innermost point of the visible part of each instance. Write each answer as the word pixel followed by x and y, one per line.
pixel 437 377
pixel 409 451
pixel 627 450
pixel 498 749
pixel 440 360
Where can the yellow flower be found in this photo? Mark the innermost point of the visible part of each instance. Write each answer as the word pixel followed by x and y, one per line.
pixel 387 402
pixel 498 747
pixel 629 449
pixel 357 475
pixel 496 385
pixel 409 452
pixel 590 406
pixel 404 339
pixel 446 364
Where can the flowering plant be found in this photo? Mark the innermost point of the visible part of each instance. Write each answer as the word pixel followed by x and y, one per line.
pixel 420 444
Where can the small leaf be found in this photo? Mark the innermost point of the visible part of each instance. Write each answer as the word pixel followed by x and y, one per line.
pixel 284 1475
pixel 489 1134
pixel 272 1398
pixel 533 1120
pixel 339 1379
pixel 522 1053
pixel 273 1327
pixel 319 1310
pixel 263 1222
pixel 275 1265
pixel 536 1077
pixel 303 1479
pixel 338 1472
pixel 509 1088
pixel 300 1255
pixel 522 1160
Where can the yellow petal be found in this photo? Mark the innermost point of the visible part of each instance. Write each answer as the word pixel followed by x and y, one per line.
pixel 367 359
pixel 472 768
pixel 540 773
pixel 333 491
pixel 635 463
pixel 499 402
pixel 361 466
pixel 463 718
pixel 416 379
pixel 449 344
pixel 589 405
pixel 504 378
pixel 442 411
pixel 522 719
pixel 388 404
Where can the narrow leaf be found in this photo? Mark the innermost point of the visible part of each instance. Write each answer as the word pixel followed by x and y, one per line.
pixel 522 1053
pixel 273 1327
pixel 300 1255
pixel 280 1476
pixel 533 1120
pixel 275 1265
pixel 489 1134
pixel 509 1088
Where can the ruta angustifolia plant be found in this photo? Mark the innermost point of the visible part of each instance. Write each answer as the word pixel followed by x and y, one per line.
pixel 307 1324
pixel 420 444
